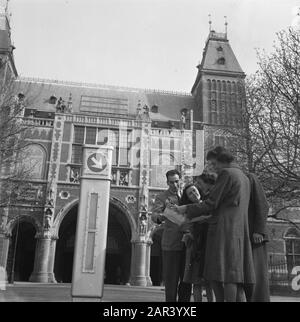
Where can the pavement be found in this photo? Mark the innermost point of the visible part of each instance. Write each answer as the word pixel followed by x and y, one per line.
pixel 61 292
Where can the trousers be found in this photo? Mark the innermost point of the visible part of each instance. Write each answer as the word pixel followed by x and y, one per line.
pixel 173 271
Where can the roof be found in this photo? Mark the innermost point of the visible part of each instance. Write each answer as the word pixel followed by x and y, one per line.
pixel 5 42
pixel 218 58
pixel 216 49
pixel 89 98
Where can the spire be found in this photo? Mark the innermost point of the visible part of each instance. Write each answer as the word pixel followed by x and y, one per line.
pixel 209 21
pixel 226 24
pixel 6 46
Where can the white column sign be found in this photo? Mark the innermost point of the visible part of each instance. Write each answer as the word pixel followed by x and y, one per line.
pixel 91 231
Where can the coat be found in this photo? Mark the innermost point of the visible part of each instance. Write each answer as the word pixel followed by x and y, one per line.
pixel 172 234
pixel 228 252
pixel 257 217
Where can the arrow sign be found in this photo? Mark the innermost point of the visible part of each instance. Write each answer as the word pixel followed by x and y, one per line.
pixel 96 162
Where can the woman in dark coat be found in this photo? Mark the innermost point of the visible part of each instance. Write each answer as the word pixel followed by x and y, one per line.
pixel 257 217
pixel 195 240
pixel 228 261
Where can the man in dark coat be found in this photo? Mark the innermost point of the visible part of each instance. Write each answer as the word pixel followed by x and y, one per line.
pixel 173 250
pixel 257 219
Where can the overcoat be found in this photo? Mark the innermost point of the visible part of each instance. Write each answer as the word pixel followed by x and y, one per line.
pixel 228 251
pixel 257 217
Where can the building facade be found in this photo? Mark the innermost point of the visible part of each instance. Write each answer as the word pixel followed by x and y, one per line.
pixel 151 131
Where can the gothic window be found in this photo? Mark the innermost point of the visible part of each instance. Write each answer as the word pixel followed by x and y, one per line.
pixel 79 134
pixel 33 161
pixel 233 87
pixel 221 61
pixel 214 85
pixel 292 245
pixel 110 137
pixel 209 84
pixel 213 105
pixel 223 86
pixel 118 139
pixel 76 154
pixel 90 137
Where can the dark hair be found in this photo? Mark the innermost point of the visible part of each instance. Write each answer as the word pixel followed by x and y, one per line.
pixel 220 154
pixel 208 178
pixel 172 173
pixel 184 200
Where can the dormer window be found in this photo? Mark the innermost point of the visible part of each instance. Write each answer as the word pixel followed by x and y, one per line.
pixel 52 99
pixel 154 109
pixel 219 48
pixel 221 61
pixel 21 96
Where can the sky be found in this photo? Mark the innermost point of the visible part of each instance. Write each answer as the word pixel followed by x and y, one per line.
pixel 153 44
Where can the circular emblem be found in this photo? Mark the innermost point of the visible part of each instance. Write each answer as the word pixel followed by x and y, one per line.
pixel 96 162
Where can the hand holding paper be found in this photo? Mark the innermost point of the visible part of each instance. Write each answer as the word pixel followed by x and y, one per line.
pixel 173 216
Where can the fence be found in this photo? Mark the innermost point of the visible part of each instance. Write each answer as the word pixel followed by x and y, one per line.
pixel 280 276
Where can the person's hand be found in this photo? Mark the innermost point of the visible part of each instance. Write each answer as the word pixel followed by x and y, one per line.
pixel 185 225
pixel 180 209
pixel 201 219
pixel 188 239
pixel 257 238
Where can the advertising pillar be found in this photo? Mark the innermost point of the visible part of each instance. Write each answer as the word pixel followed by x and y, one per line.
pixel 91 232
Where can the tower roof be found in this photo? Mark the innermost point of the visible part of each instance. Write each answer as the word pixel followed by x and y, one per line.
pixel 218 58
pixel 6 47
pixel 5 43
pixel 218 47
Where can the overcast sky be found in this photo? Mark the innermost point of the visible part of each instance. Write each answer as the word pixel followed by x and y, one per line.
pixel 138 43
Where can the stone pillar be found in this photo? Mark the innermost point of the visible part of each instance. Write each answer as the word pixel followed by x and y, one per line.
pixel 4 247
pixel 40 270
pixel 141 263
pixel 4 239
pixel 51 276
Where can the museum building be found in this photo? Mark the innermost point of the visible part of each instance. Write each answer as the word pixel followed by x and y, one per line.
pixel 152 131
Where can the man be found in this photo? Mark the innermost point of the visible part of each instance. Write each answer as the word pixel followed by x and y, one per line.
pixel 173 250
pixel 257 218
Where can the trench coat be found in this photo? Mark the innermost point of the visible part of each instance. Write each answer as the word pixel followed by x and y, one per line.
pixel 257 217
pixel 228 256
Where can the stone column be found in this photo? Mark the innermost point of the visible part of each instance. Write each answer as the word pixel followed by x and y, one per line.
pixel 141 263
pixel 4 238
pixel 51 276
pixel 40 270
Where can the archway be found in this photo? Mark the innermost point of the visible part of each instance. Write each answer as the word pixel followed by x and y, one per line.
pixel 118 251
pixel 156 258
pixel 21 252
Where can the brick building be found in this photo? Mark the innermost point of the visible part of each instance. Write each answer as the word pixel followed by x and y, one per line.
pixel 152 131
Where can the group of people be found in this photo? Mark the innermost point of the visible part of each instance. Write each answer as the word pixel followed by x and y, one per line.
pixel 221 245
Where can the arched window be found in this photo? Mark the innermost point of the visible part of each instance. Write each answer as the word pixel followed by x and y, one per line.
pixel 33 161
pixel 292 247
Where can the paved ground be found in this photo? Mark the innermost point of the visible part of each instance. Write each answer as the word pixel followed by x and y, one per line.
pixel 36 292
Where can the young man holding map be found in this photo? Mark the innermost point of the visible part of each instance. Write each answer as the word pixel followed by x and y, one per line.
pixel 173 248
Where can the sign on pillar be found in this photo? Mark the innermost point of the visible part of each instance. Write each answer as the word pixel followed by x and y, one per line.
pixel 91 231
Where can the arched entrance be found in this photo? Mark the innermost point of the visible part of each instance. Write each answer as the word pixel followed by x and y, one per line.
pixel 156 258
pixel 118 251
pixel 21 252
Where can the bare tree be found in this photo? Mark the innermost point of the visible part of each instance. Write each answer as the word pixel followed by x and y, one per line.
pixel 268 142
pixel 280 127
pixel 13 171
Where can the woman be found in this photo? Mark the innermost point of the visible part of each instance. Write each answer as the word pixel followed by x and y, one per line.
pixel 228 262
pixel 195 241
